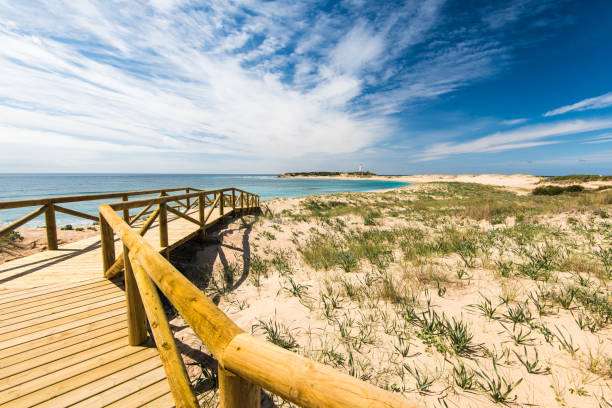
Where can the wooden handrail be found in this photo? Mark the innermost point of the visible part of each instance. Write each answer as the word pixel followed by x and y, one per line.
pixel 182 215
pixel 119 205
pixel 140 214
pixel 83 197
pixel 245 362
pixel 22 220
pixel 50 206
pixel 168 351
pixel 117 266
pixel 76 213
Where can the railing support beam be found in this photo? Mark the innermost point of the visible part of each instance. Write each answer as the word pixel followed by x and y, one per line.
pixel 201 215
pixel 235 392
pixel 164 340
pixel 163 225
pixel 107 242
pixel 51 227
pixel 126 211
pixel 136 318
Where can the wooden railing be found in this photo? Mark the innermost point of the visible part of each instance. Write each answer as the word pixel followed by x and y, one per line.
pixel 49 206
pixel 245 362
pixel 225 202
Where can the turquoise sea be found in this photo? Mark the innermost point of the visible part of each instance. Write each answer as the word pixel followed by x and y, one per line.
pixel 22 186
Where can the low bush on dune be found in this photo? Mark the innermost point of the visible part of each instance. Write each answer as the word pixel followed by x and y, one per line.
pixel 583 178
pixel 12 236
pixel 556 190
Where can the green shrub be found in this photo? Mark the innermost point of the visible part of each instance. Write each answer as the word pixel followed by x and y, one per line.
pixel 11 236
pixel 556 190
pixel 578 177
pixel 574 188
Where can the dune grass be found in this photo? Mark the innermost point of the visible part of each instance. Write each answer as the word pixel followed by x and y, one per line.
pixel 445 291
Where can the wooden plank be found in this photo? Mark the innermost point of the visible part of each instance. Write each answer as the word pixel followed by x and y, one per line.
pixel 85 318
pixel 65 351
pixel 145 395
pixel 142 383
pixel 47 304
pixel 97 386
pixel 106 352
pixel 65 315
pixel 58 382
pixel 28 315
pixel 31 350
pixel 49 292
pixel 163 401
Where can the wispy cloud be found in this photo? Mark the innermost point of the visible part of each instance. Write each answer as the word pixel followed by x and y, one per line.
pixel 607 138
pixel 511 122
pixel 598 102
pixel 526 136
pixel 245 78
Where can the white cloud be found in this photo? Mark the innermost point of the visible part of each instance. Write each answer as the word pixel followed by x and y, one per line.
pixel 607 138
pixel 598 102
pixel 511 122
pixel 526 136
pixel 357 49
pixel 248 78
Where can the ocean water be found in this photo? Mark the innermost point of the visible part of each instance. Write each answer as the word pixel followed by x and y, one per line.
pixel 23 186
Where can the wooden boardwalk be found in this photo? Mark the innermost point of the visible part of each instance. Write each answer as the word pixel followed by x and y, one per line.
pixel 63 331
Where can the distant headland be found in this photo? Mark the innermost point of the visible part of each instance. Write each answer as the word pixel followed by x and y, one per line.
pixel 329 174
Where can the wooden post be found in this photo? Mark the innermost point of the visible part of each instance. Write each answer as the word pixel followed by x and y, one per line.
pixel 241 203
pixel 235 392
pixel 234 200
pixel 163 225
pixel 201 208
pixel 221 203
pixel 107 242
pixel 164 340
pixel 187 200
pixel 136 318
pixel 126 211
pixel 51 227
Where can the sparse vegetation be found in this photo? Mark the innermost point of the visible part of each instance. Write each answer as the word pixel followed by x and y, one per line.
pixel 439 290
pixel 11 236
pixel 573 178
pixel 556 190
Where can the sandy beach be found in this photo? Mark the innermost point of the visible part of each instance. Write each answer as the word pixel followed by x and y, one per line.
pixel 457 288
pixel 519 183
pixel 34 240
pixel 437 291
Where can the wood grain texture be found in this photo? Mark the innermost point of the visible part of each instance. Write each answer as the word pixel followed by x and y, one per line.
pixel 300 380
pixel 236 392
pixel 136 318
pixel 168 351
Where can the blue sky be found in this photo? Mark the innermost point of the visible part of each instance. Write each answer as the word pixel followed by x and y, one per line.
pixel 255 86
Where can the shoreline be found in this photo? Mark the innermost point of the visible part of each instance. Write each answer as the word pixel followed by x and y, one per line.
pixel 518 183
pixel 34 238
